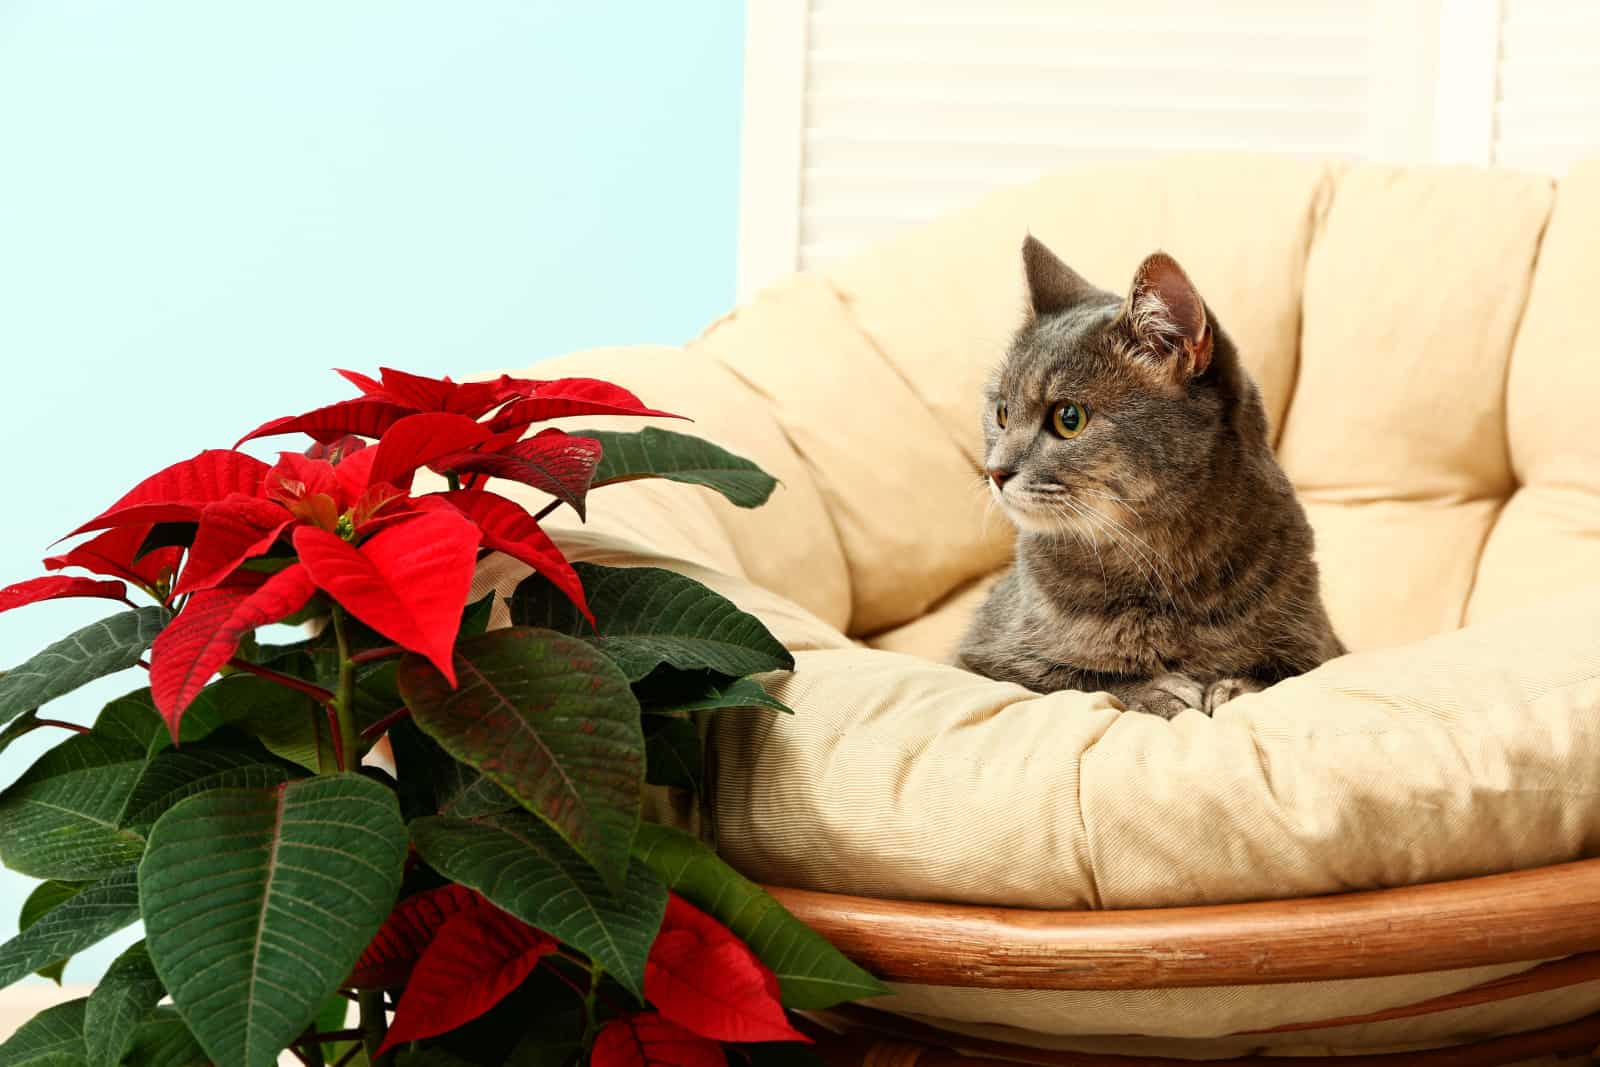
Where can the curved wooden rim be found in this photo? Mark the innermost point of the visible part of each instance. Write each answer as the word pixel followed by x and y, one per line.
pixel 1504 918
pixel 1557 974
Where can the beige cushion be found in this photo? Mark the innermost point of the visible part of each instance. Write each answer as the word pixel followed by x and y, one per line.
pixel 1425 344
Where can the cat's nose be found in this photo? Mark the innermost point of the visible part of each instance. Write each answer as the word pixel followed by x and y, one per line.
pixel 999 476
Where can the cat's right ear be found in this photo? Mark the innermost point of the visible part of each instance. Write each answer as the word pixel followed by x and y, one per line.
pixel 1052 285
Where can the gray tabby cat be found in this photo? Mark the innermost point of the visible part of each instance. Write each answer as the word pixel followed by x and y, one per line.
pixel 1161 555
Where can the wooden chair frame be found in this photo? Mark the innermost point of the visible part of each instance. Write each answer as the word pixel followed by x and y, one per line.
pixel 1549 913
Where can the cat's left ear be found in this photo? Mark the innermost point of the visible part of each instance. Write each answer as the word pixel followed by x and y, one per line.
pixel 1168 318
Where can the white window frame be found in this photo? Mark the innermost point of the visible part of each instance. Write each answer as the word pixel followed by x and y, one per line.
pixel 1434 88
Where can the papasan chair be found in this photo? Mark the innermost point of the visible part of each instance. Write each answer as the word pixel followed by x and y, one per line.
pixel 1382 857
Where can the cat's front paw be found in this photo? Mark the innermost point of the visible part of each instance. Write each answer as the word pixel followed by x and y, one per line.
pixel 1166 695
pixel 1223 690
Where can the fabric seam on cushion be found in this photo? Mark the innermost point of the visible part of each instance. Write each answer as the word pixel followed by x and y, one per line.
pixel 1320 208
pixel 1517 482
pixel 817 483
pixel 1516 336
pixel 1317 214
pixel 1483 547
pixel 847 305
pixel 933 608
pixel 1083 818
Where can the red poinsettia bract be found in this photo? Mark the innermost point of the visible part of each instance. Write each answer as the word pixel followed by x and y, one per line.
pixel 648 1040
pixel 341 519
pixel 523 402
pixel 457 955
pixel 476 956
pixel 703 978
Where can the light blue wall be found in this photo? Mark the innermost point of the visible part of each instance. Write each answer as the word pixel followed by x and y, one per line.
pixel 206 204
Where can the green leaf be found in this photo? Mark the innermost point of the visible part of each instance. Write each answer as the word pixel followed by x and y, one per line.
pixel 691 691
pixel 124 998
pixel 526 868
pixel 83 919
pixel 79 812
pixel 646 616
pixel 655 453
pixel 63 818
pixel 133 718
pixel 672 752
pixel 812 974
pixel 99 649
pixel 291 725
pixel 46 897
pixel 53 1038
pixel 475 618
pixel 476 795
pixel 553 722
pixel 257 903
pixel 543 1008
pixel 433 782
pixel 179 773
pixel 333 1015
pixel 557 1039
pixel 165 1040
pixel 25 723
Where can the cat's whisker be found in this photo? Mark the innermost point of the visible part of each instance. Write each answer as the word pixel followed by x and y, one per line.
pixel 1094 545
pixel 1150 564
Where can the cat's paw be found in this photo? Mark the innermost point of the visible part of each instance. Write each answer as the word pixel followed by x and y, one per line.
pixel 1223 690
pixel 1166 695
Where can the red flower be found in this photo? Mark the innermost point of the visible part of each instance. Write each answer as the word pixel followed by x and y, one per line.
pixel 476 954
pixel 523 402
pixel 57 587
pixel 341 519
pixel 115 553
pixel 404 936
pixel 707 981
pixel 648 1040
pixel 205 634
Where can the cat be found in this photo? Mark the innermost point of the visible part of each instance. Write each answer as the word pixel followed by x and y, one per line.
pixel 1161 554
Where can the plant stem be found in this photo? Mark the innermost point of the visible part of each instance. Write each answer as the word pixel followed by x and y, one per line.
pixel 328 1035
pixel 74 727
pixel 453 480
pixel 546 510
pixel 378 728
pixel 334 763
pixel 315 692
pixel 589 1030
pixel 372 655
pixel 374 1024
pixel 345 702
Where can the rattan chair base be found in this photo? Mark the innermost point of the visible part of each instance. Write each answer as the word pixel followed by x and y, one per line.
pixel 853 1036
pixel 1550 913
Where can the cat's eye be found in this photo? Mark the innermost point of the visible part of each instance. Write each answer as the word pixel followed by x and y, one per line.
pixel 1068 420
pixel 1000 416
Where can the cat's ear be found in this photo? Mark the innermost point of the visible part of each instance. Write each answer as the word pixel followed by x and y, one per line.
pixel 1052 285
pixel 1168 317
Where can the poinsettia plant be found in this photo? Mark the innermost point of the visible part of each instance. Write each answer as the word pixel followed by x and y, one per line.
pixel 405 836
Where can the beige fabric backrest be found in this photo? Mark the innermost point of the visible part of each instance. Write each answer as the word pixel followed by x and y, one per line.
pixel 1396 434
pixel 1422 336
pixel 1435 432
